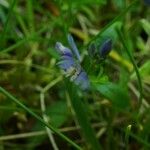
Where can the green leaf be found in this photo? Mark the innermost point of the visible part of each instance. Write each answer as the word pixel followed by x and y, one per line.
pixel 58 113
pixel 53 53
pixel 83 120
pixel 146 26
pixel 120 4
pixel 144 71
pixel 11 97
pixel 110 32
pixel 115 93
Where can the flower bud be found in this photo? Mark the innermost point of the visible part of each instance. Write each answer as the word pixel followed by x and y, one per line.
pixel 105 48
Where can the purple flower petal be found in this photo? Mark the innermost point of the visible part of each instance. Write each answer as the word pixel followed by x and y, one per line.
pixel 70 65
pixel 65 64
pixel 82 80
pixel 62 50
pixel 63 57
pixel 74 47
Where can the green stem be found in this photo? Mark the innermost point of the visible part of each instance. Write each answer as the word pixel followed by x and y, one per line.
pixel 2 37
pixel 127 135
pixel 24 40
pixel 137 138
pixel 135 66
pixel 2 90
pixel 82 116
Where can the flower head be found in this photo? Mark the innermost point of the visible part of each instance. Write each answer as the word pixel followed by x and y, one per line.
pixel 71 64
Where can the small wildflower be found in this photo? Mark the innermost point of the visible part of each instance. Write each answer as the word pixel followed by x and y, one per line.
pixel 71 65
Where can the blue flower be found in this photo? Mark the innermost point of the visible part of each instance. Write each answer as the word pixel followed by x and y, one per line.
pixel 70 63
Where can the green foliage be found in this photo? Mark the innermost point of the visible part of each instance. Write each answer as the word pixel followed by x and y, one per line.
pixel 109 33
pixel 120 4
pixel 34 94
pixel 116 94
pixel 83 119
pixel 58 113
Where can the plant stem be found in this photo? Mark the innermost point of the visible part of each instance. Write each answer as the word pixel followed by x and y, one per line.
pixel 2 37
pixel 46 119
pixel 7 94
pixel 115 19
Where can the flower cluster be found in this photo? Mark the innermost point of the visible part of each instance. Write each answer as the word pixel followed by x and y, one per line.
pixel 70 63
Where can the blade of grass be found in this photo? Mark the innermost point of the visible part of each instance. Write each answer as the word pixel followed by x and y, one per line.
pixel 43 109
pixel 11 108
pixel 119 17
pixel 43 132
pixel 24 40
pixel 136 137
pixel 30 15
pixel 16 62
pixel 126 47
pixel 82 117
pixel 11 97
pixel 127 133
pixel 12 5
pixel 45 118
pixel 22 24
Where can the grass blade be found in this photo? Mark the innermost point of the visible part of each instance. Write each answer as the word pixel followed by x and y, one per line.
pixel 11 97
pixel 2 37
pixel 124 43
pixel 82 117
